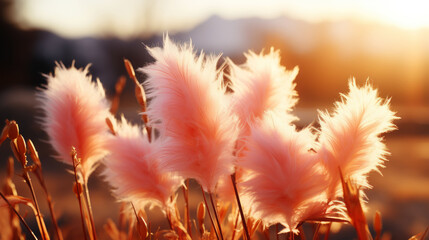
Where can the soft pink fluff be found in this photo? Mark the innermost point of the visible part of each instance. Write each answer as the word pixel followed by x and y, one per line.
pixel 75 110
pixel 189 107
pixel 134 171
pixel 262 84
pixel 350 137
pixel 225 190
pixel 285 177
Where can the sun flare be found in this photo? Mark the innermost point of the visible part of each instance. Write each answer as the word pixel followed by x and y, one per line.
pixel 126 19
pixel 404 14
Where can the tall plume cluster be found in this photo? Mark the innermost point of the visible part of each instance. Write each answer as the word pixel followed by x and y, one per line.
pixel 206 128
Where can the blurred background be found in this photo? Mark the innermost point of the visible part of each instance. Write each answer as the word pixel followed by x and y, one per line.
pixel 384 42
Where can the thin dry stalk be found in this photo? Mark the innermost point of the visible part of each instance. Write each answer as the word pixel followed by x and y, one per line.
pixel 119 88
pixel 142 229
pixel 19 216
pixel 354 208
pixel 19 149
pixel 316 232
pixel 420 236
pixel 240 208
pixel 112 230
pixel 89 208
pixel 216 215
pixel 328 231
pixel 235 225
pixel 78 189
pixel 10 189
pixel 210 215
pixel 424 234
pixel 187 215
pixel 131 230
pixel 38 172
pixel 51 210
pixel 140 95
pixel 42 226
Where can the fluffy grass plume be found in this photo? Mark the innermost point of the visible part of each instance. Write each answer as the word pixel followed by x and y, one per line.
pixel 75 110
pixel 189 107
pixel 285 177
pixel 259 85
pixel 262 84
pixel 133 169
pixel 350 136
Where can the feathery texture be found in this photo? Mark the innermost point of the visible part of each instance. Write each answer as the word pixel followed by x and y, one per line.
pixel 285 177
pixel 75 110
pixel 189 107
pixel 225 190
pixel 350 137
pixel 262 84
pixel 133 169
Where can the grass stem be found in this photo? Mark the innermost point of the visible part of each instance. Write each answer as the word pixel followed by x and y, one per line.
pixel 187 215
pixel 41 180
pixel 210 215
pixel 235 225
pixel 216 215
pixel 19 216
pixel 36 204
pixel 78 191
pixel 88 204
pixel 328 231
pixel 316 232
pixel 243 219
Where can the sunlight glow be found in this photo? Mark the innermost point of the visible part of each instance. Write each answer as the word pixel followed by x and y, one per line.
pixel 132 18
pixel 405 14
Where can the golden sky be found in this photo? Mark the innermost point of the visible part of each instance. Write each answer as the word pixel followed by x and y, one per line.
pixel 134 18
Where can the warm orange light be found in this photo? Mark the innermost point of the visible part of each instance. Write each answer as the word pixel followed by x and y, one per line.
pixel 406 14
pixel 134 17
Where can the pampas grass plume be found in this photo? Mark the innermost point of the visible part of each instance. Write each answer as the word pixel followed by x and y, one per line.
pixel 350 137
pixel 75 110
pixel 262 84
pixel 285 177
pixel 133 169
pixel 189 107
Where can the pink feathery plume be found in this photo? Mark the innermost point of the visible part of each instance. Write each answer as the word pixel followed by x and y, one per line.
pixel 350 137
pixel 189 107
pixel 285 177
pixel 225 190
pixel 75 109
pixel 262 84
pixel 133 169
